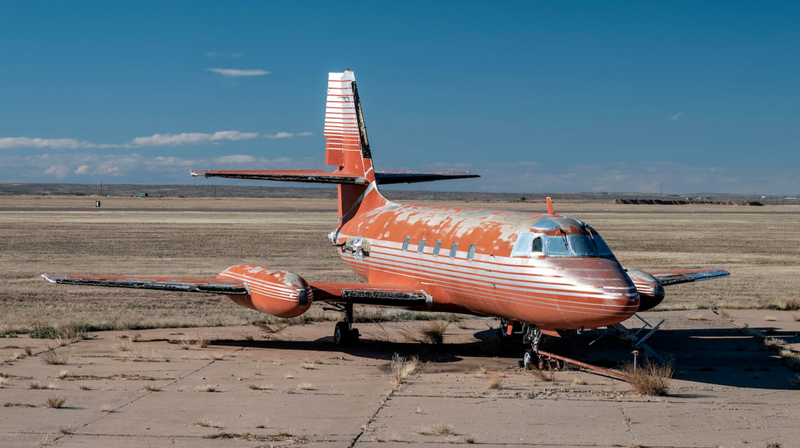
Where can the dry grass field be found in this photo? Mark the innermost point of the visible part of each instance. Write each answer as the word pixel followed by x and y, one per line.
pixel 760 246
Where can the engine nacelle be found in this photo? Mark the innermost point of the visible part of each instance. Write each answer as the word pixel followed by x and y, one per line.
pixel 280 293
pixel 651 292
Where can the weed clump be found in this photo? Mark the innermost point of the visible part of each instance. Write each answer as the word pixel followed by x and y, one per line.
pixel 55 402
pixel 402 368
pixel 434 334
pixel 650 379
pixel 56 357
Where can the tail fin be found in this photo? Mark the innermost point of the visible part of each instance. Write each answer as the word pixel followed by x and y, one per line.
pixel 347 148
pixel 346 142
pixel 347 145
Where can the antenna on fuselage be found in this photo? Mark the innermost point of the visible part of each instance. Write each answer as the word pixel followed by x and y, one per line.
pixel 550 206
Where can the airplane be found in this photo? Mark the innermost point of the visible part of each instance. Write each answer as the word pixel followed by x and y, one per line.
pixel 541 274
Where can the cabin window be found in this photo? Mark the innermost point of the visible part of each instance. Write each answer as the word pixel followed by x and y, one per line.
pixel 421 246
pixel 471 253
pixel 453 250
pixel 405 243
pixel 436 248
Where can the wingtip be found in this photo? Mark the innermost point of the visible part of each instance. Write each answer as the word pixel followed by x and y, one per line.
pixel 48 277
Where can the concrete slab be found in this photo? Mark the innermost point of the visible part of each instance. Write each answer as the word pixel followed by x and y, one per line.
pixel 729 389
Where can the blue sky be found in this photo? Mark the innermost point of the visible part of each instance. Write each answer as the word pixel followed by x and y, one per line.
pixel 560 96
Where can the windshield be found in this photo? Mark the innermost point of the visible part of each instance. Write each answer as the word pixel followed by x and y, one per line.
pixel 577 245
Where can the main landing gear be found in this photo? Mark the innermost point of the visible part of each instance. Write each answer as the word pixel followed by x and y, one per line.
pixel 344 333
pixel 532 359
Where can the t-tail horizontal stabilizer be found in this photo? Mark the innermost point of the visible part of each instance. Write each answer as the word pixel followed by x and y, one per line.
pixel 324 177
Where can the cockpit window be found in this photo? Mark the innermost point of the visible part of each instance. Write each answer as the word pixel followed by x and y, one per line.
pixel 576 245
pixel 537 244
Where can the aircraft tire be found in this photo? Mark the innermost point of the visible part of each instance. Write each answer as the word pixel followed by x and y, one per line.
pixel 341 333
pixel 527 359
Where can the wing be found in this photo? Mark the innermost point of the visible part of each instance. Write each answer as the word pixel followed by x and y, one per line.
pixel 382 294
pixel 361 293
pixel 206 285
pixel 677 276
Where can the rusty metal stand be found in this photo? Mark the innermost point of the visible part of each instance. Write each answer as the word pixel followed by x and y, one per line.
pixel 610 373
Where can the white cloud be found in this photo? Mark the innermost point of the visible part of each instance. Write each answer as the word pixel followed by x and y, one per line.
pixel 280 135
pixel 236 55
pixel 211 54
pixel 230 72
pixel 186 138
pixel 676 116
pixel 190 138
pixel 58 171
pixel 58 143
pixel 83 169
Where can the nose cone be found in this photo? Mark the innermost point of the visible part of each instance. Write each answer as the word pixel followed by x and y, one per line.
pixel 607 294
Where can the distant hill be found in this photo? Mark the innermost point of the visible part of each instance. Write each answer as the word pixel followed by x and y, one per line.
pixel 255 191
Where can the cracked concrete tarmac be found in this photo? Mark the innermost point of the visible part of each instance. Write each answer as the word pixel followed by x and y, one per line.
pixel 294 387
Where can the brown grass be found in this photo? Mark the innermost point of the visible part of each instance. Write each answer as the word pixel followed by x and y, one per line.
pixel 3 381
pixel 206 423
pixel 207 388
pixel 306 386
pixel 261 387
pixel 271 327
pixel 434 334
pixel 790 358
pixel 144 354
pixel 55 402
pixel 152 388
pixel 649 378
pixel 35 385
pixel 440 429
pixel 107 408
pixel 56 356
pixel 248 437
pixel 495 381
pixel 307 365
pixel 712 240
pixel 402 368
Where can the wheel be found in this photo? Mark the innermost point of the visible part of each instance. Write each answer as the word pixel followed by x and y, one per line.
pixel 527 359
pixel 352 338
pixel 341 333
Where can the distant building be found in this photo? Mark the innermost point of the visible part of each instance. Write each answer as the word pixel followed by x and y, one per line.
pixel 140 195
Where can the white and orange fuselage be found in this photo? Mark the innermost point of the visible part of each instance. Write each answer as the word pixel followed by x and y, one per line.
pixel 474 261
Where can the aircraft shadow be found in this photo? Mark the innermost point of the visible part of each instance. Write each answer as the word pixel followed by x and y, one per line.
pixel 718 357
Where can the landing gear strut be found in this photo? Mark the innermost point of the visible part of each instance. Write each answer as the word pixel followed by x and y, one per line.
pixel 533 336
pixel 344 333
